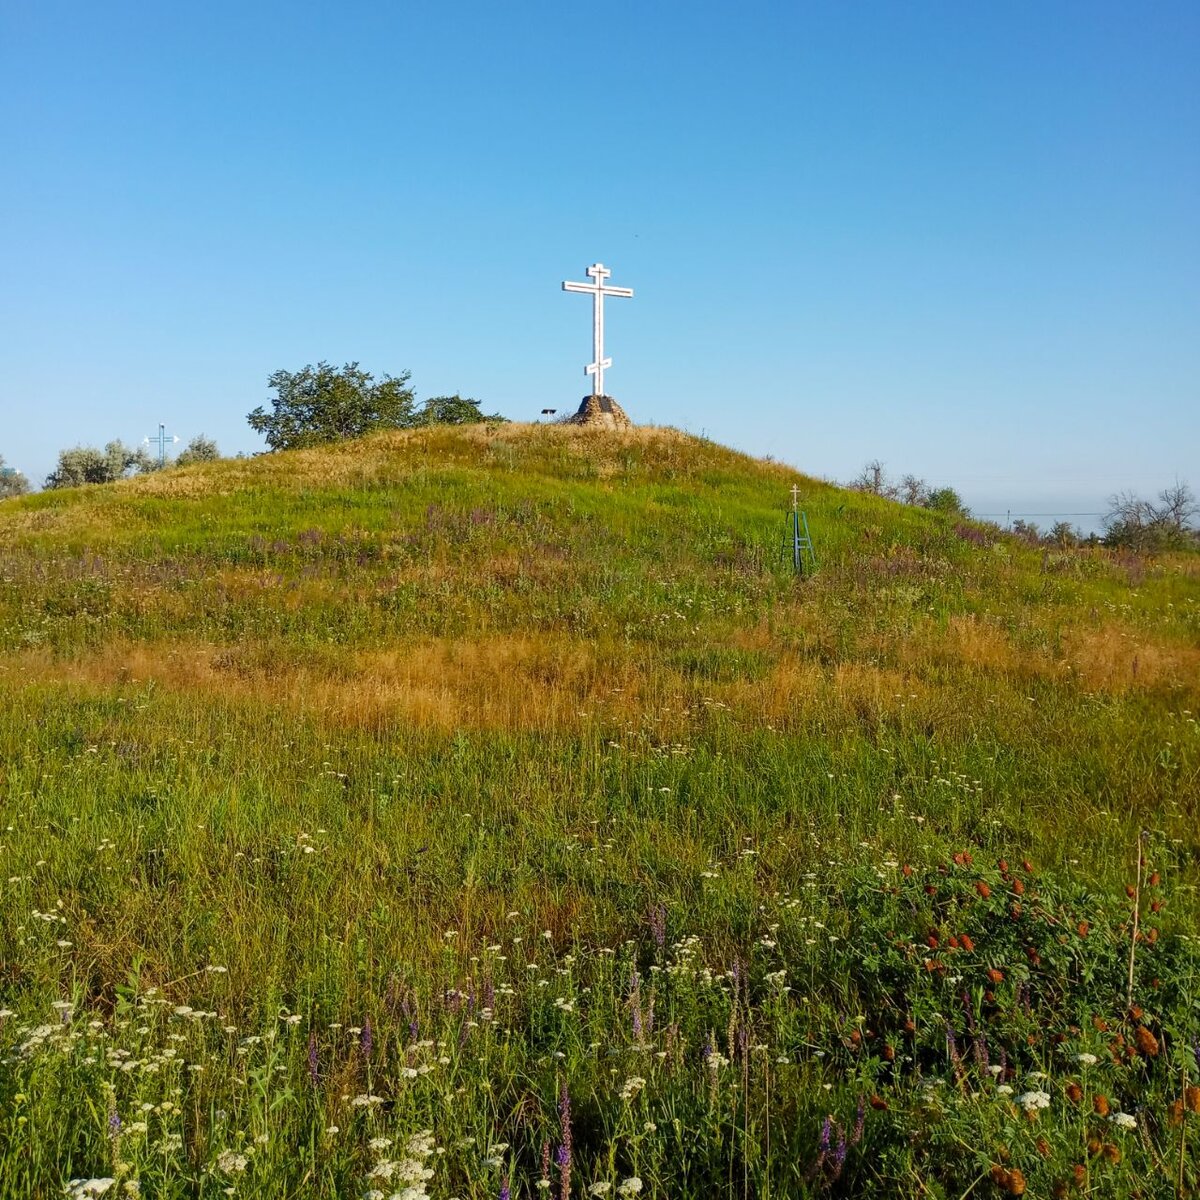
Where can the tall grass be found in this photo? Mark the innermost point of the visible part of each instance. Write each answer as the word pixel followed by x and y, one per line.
pixel 501 796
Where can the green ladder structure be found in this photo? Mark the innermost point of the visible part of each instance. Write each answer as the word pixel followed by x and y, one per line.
pixel 799 540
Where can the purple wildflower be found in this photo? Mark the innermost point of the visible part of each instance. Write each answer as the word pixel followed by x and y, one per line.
pixel 839 1154
pixel 314 1073
pixel 860 1121
pixel 952 1047
pixel 966 999
pixel 658 924
pixel 564 1151
pixel 981 1050
pixel 114 1124
pixel 505 1191
pixel 826 1136
pixel 367 1040
pixel 822 1149
pixel 635 1005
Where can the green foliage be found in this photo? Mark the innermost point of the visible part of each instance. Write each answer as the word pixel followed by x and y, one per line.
pixel 1166 524
pixel 454 410
pixel 946 500
pixel 12 482
pixel 321 404
pixel 87 464
pixel 199 449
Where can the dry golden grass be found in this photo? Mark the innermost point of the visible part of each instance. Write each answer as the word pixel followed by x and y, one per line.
pixel 545 683
pixel 1117 660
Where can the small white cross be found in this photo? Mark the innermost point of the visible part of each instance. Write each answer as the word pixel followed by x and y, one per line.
pixel 599 272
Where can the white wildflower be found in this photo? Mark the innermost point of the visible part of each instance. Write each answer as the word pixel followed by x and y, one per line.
pixel 230 1162
pixel 1032 1101
pixel 1122 1120
pixel 80 1189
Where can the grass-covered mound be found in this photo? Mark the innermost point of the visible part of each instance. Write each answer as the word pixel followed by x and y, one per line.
pixel 504 784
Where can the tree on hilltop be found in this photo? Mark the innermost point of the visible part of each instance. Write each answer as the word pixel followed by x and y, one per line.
pixel 320 404
pixel 12 481
pixel 454 410
pixel 87 464
pixel 875 481
pixel 199 449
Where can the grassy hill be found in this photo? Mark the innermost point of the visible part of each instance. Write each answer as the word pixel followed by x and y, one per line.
pixel 505 784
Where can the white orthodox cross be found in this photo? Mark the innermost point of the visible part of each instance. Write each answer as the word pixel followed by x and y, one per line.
pixel 599 272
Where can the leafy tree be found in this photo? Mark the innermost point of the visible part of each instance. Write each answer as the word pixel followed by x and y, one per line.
pixel 86 464
pixel 12 482
pixel 1062 534
pixel 320 404
pixel 946 500
pixel 199 449
pixel 454 410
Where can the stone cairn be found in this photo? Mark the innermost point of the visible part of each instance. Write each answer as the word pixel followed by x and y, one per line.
pixel 600 412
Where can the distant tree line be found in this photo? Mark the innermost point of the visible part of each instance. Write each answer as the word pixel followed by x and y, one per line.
pixel 1131 523
pixel 311 406
pixel 89 464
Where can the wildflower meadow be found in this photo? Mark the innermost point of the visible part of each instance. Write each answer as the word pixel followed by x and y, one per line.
pixel 491 813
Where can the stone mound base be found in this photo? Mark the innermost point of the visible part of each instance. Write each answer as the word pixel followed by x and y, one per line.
pixel 602 412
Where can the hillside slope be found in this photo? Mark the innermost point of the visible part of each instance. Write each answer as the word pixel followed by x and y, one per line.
pixel 392 733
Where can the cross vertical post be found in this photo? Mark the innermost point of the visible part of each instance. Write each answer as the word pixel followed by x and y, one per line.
pixel 799 538
pixel 597 290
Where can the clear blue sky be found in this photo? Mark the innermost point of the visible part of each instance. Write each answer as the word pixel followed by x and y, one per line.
pixel 964 239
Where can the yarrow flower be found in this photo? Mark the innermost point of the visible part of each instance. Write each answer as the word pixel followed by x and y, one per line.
pixel 630 1186
pixel 229 1162
pixel 1032 1101
pixel 1088 1060
pixel 1123 1120
pixel 82 1189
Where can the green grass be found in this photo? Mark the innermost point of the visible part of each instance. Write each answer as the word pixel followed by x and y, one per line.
pixel 524 751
